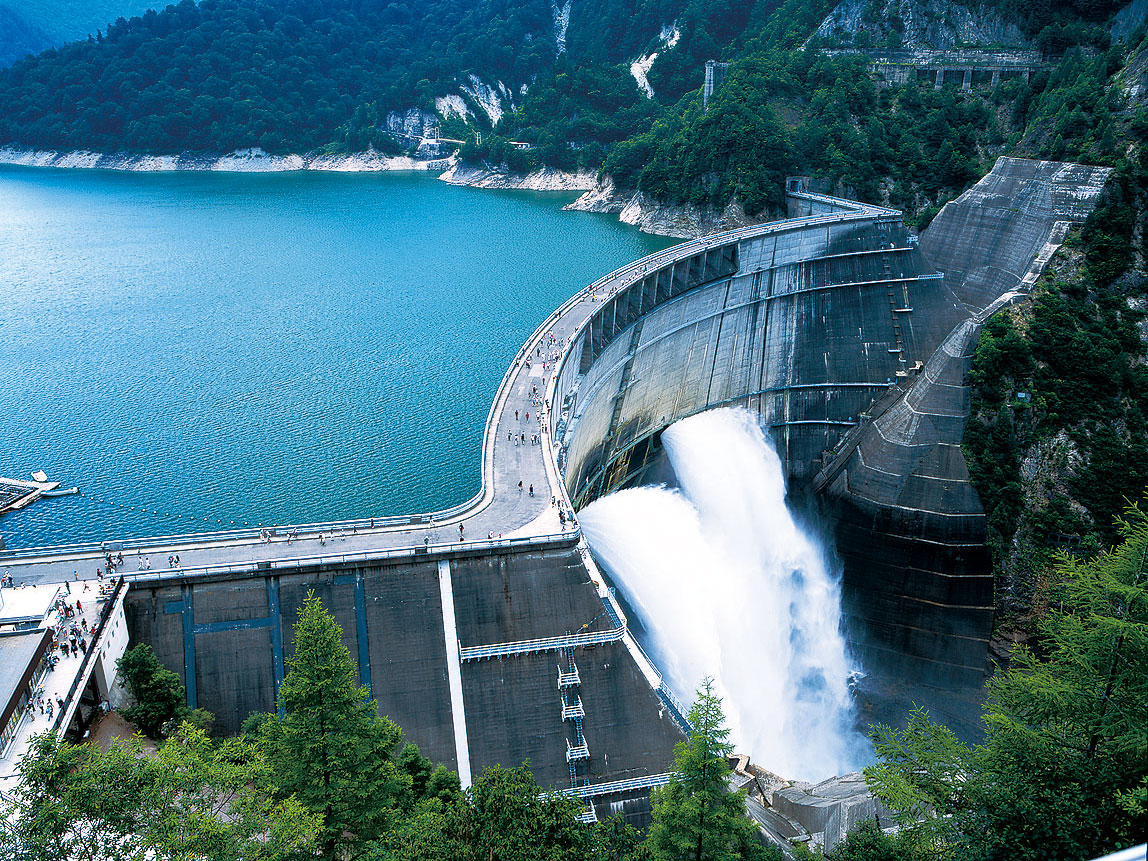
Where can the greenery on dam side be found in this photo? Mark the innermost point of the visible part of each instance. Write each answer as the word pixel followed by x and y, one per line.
pixel 1057 441
pixel 1059 775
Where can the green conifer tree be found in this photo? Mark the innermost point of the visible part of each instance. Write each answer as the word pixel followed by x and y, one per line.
pixel 158 693
pixel 330 749
pixel 696 817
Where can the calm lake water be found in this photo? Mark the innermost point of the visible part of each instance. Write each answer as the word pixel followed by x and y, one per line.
pixel 195 350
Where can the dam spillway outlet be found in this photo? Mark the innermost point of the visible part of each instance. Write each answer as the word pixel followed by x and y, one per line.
pixel 848 339
pixel 727 584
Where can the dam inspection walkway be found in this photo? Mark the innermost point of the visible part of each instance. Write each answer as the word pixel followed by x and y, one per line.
pixel 517 457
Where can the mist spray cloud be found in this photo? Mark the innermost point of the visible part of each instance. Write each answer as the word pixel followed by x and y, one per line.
pixel 727 584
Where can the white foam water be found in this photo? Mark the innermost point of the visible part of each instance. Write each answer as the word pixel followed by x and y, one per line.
pixel 727 584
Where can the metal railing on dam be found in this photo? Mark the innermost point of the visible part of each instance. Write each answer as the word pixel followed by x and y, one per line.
pixel 327 560
pixel 543 644
pixel 237 550
pixel 617 787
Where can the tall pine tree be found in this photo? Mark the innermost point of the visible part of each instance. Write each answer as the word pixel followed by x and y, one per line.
pixel 696 817
pixel 330 749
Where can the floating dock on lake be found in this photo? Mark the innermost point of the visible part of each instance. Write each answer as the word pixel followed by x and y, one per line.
pixel 15 493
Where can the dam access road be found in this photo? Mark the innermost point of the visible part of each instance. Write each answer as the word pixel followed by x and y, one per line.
pixel 849 338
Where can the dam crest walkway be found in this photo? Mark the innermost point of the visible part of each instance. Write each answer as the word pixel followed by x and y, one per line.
pixel 504 515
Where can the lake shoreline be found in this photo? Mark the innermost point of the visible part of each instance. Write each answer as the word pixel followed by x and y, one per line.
pixel 239 161
pixel 598 194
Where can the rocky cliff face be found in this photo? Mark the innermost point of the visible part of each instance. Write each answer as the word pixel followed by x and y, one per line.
pixel 547 179
pixel 943 24
pixel 651 216
pixel 494 100
pixel 412 122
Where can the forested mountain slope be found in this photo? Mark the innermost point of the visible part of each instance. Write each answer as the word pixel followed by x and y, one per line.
pixel 226 74
pixel 30 26
pixel 299 75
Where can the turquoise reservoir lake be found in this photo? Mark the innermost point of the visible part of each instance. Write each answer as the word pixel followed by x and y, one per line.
pixel 196 350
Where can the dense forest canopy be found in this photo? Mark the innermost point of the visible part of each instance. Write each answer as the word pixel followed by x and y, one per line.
pixel 226 74
pixel 300 75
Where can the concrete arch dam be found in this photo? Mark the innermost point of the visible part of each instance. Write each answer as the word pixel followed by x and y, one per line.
pixel 853 341
pixel 486 630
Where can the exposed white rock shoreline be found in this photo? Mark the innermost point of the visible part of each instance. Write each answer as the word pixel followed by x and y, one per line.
pixel 546 179
pixel 652 216
pixel 240 161
pixel 635 208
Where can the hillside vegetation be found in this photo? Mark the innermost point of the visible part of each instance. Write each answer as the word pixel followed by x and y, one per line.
pixel 286 76
pixel 30 26
pixel 1057 444
pixel 303 75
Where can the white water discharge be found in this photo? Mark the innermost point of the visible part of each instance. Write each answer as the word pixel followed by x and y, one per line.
pixel 727 584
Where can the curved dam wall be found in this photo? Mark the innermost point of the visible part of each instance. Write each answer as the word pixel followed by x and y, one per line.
pixel 849 338
pixel 853 342
pixel 806 323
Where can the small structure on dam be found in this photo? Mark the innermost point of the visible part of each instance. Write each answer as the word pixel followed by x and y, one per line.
pixel 487 632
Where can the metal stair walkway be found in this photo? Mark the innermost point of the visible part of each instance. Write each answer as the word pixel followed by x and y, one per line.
pixel 545 644
pixel 614 787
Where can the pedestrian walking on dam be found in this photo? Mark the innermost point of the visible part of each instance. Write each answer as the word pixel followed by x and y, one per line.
pixel 532 490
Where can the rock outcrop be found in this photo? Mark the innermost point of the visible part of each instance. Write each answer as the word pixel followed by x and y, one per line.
pixel 412 123
pixel 649 215
pixel 942 24
pixel 546 179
